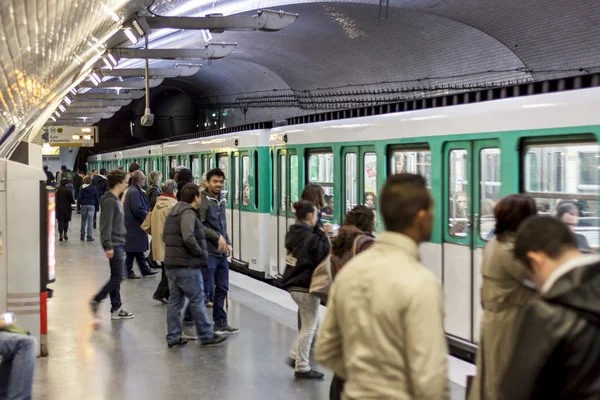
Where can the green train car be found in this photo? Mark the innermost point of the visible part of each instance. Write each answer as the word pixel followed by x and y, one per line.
pixel 471 156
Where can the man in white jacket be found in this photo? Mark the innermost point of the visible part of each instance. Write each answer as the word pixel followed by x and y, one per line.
pixel 383 331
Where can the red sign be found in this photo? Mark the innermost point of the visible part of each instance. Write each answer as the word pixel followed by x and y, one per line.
pixel 51 236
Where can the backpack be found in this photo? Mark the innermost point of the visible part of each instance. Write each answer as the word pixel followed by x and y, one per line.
pixel 68 175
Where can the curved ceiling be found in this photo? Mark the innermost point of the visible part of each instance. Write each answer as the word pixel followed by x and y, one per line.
pixel 336 54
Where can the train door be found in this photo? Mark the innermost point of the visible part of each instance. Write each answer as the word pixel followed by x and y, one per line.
pixel 472 187
pixel 235 212
pixel 283 208
pixel 360 180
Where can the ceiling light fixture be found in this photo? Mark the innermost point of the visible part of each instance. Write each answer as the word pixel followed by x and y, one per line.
pixel 107 63
pixel 62 108
pixel 68 100
pixel 52 118
pixel 112 59
pixel 131 36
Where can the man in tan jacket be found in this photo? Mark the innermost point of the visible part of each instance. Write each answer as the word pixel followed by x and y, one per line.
pixel 383 331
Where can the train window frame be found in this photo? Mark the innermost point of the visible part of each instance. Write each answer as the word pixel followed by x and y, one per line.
pixel 482 191
pixel 254 191
pixel 546 197
pixel 294 190
pixel 412 148
pixel 450 221
pixel 245 175
pixel 348 204
pixel 365 169
pixel 283 176
pixel 316 152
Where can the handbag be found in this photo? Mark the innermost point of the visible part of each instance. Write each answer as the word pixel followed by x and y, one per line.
pixel 146 225
pixel 321 279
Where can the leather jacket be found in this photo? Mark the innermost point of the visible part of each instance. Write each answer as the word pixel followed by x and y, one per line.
pixel 557 350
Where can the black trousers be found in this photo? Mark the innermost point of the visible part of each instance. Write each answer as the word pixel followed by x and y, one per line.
pixel 336 389
pixel 63 227
pixel 162 290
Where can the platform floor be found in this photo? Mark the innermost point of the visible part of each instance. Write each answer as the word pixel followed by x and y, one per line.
pixel 130 360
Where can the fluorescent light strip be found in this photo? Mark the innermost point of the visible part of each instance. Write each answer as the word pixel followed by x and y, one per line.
pixel 112 60
pixel 62 108
pixel 131 36
pixel 107 63
pixel 68 100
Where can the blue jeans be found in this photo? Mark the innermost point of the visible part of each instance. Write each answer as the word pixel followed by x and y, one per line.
pixel 70 186
pixel 208 274
pixel 112 288
pixel 87 219
pixel 220 269
pixel 18 364
pixel 186 282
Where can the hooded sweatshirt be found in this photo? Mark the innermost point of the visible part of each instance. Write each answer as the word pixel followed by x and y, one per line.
pixel 306 248
pixel 185 244
pixel 88 196
pixel 557 350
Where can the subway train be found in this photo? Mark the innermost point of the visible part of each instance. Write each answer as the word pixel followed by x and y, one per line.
pixel 471 156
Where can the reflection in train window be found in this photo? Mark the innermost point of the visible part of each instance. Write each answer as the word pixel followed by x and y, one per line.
pixel 565 177
pixel 458 206
pixel 294 178
pixel 246 180
pixel 370 180
pixel 351 181
pixel 283 181
pixel 196 169
pixel 320 171
pixel 413 162
pixel 489 190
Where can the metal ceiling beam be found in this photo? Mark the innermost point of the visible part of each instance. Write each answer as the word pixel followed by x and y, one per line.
pixel 99 103
pixel 69 122
pixel 90 115
pixel 265 20
pixel 209 51
pixel 154 72
pixel 121 84
pixel 132 94
pixel 85 110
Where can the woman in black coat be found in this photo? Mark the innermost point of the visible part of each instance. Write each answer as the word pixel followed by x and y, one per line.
pixel 64 202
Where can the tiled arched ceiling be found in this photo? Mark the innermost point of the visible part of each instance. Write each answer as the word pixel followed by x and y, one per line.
pixel 339 47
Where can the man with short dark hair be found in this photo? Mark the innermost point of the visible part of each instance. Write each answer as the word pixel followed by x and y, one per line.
pixel 213 215
pixel 112 236
pixel 557 345
pixel 383 331
pixel 49 176
pixel 185 255
pixel 569 214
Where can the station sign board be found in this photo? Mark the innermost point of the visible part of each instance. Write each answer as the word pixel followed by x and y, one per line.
pixel 72 136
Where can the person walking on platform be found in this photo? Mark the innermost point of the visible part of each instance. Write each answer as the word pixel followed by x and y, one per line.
pixel 306 249
pixel 49 176
pixel 185 256
pixel 112 236
pixel 136 210
pixel 504 295
pixel 557 345
pixel 164 204
pixel 383 331
pixel 77 182
pixel 64 209
pixel 213 215
pixel 354 237
pixel 89 204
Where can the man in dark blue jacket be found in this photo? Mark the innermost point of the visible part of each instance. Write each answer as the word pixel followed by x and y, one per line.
pixel 185 256
pixel 213 216
pixel 136 209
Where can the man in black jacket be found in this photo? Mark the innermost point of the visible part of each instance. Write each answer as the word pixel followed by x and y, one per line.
pixel 557 351
pixel 185 255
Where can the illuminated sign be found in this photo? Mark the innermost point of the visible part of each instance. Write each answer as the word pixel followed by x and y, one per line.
pixel 72 136
pixel 51 237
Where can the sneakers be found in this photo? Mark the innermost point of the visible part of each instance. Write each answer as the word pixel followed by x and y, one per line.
pixel 216 339
pixel 66 238
pixel 188 333
pixel 161 299
pixel 133 276
pixel 226 330
pixel 181 342
pixel 312 374
pixel 82 238
pixel 121 314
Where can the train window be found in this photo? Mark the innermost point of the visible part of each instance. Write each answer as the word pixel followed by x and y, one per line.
pixel 205 167
pixel 294 178
pixel 563 178
pixel 154 164
pixel 223 160
pixel 370 180
pixel 236 180
pixel 351 181
pixel 413 162
pixel 173 162
pixel 246 180
pixel 210 164
pixel 489 191
pixel 282 180
pixel 256 179
pixel 458 206
pixel 320 171
pixel 196 169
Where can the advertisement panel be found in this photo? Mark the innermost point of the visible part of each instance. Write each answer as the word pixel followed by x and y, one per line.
pixel 51 236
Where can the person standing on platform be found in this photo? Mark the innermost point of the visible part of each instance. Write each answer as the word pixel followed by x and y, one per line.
pixel 383 331
pixel 306 249
pixel 112 236
pixel 100 182
pixel 64 209
pixel 133 167
pixel 49 176
pixel 77 182
pixel 89 204
pixel 184 176
pixel 136 210
pixel 213 215
pixel 164 204
pixel 557 343
pixel 185 256
pixel 153 188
